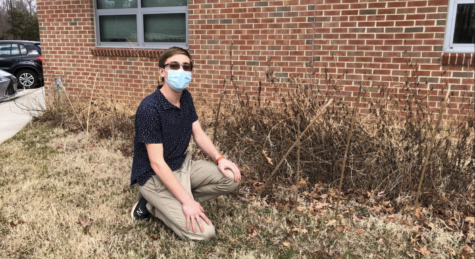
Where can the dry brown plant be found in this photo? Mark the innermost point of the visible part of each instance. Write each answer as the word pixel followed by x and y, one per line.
pixel 389 146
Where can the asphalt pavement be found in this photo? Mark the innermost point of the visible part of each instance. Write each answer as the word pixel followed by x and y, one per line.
pixel 17 112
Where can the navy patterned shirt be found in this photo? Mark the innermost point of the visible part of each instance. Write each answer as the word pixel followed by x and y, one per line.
pixel 159 121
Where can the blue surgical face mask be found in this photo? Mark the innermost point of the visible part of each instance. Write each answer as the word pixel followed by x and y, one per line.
pixel 178 80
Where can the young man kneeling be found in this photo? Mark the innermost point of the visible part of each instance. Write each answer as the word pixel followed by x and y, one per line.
pixel 171 185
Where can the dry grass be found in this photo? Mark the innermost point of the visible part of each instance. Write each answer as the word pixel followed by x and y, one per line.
pixel 64 197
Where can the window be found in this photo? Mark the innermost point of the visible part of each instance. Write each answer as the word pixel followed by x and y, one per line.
pixel 9 49
pixel 5 49
pixel 23 50
pixel 15 50
pixel 460 30
pixel 141 23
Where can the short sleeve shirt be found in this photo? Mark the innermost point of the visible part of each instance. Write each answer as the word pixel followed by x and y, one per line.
pixel 157 121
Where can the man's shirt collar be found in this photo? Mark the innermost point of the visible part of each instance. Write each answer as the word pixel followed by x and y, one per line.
pixel 165 104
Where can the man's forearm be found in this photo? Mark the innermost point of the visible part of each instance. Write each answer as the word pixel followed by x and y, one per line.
pixel 207 146
pixel 167 177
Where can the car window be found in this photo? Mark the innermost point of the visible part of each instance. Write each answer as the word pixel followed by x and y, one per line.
pixel 34 51
pixel 39 47
pixel 15 49
pixel 23 50
pixel 5 49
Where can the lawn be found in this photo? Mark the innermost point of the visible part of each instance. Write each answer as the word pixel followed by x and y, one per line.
pixel 62 196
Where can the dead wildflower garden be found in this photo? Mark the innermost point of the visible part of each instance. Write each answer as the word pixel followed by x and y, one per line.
pixel 65 179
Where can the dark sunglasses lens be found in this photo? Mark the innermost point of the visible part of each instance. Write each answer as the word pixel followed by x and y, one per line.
pixel 174 66
pixel 187 67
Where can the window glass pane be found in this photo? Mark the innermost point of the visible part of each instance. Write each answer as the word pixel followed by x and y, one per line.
pixel 118 28
pixel 165 27
pixel 464 31
pixel 5 49
pixel 15 49
pixel 36 50
pixel 162 3
pixel 23 50
pixel 116 4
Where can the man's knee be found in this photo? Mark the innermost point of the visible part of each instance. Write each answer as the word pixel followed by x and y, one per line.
pixel 233 186
pixel 208 233
pixel 229 182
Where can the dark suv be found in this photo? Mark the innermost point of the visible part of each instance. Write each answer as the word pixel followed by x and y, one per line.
pixel 22 59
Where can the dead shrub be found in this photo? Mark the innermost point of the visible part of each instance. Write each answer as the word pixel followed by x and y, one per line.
pixel 102 117
pixel 387 150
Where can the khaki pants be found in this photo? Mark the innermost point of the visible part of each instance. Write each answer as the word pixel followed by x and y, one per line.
pixel 202 180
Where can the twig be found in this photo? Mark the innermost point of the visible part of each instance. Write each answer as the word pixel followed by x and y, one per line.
pixel 236 88
pixel 89 108
pixel 429 149
pixel 259 95
pixel 313 39
pixel 297 179
pixel 216 121
pixel 70 103
pixel 348 141
pixel 74 111
pixel 295 143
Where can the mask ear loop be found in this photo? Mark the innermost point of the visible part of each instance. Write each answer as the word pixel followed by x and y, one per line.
pixel 161 78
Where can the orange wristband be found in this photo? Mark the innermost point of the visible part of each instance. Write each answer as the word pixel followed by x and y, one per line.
pixel 219 158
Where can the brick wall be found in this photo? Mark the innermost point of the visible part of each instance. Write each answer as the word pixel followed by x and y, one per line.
pixel 374 42
pixel 68 39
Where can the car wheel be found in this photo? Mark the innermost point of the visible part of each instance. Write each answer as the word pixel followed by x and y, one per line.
pixel 26 79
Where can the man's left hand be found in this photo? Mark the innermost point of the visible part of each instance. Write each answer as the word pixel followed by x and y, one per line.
pixel 226 164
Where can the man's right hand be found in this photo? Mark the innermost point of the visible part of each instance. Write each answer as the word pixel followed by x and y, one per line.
pixel 193 210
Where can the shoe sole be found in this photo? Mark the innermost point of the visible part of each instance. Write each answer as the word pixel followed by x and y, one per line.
pixel 132 214
pixel 133 209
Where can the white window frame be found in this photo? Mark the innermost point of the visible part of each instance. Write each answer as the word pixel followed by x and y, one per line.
pixel 139 12
pixel 449 45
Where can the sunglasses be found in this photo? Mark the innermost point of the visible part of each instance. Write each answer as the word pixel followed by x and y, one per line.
pixel 176 66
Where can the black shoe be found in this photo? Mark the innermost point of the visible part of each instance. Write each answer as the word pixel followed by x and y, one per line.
pixel 139 210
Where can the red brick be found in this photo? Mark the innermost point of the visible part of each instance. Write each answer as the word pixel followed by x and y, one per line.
pixel 417 3
pixel 376 5
pixel 425 23
pixel 424 35
pixel 395 17
pixel 435 29
pixel 427 10
pixel 438 2
pixel 387 11
pixel 405 23
pixel 397 4
pixel 376 18
pixel 385 24
pixel 349 12
pixel 384 36
pixel 416 17
pixel 406 10
pixel 359 6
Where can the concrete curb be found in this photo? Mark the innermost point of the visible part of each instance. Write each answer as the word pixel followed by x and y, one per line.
pixel 17 112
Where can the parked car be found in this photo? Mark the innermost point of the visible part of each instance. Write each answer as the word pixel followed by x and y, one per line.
pixel 22 59
pixel 8 85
